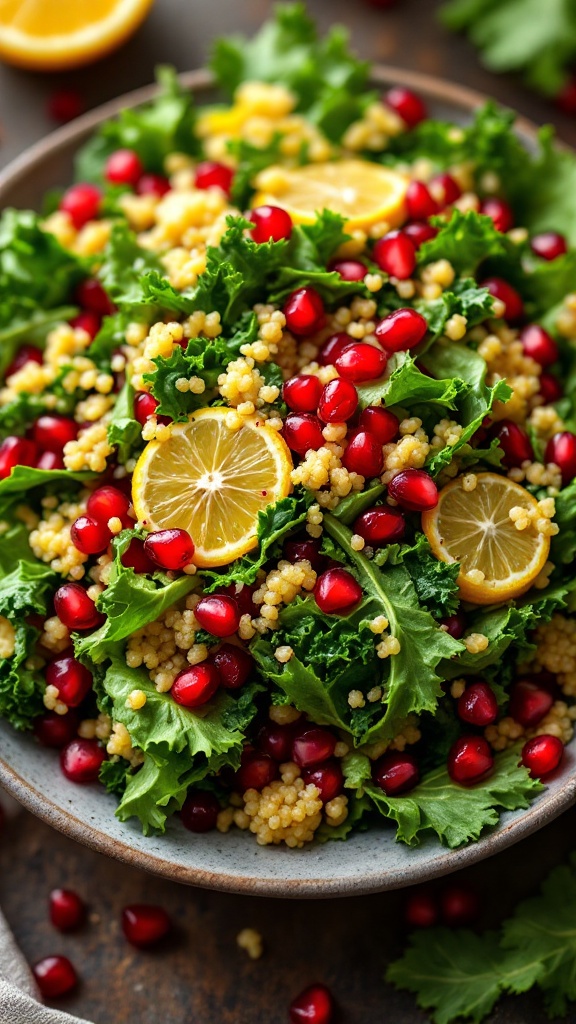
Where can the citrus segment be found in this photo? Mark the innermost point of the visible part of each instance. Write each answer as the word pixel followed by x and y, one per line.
pixel 363 193
pixel 474 528
pixel 212 481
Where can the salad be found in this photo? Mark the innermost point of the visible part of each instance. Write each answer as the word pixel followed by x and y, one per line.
pixel 287 473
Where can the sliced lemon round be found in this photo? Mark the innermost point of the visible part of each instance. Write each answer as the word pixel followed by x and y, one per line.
pixel 474 528
pixel 48 35
pixel 213 481
pixel 364 193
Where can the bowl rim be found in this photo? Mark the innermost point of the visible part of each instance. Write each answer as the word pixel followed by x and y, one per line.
pixel 539 814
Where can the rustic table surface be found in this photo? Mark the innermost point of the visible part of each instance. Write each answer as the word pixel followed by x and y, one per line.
pixel 200 976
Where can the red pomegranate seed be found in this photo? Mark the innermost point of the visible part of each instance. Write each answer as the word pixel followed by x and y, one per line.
pixel 445 188
pixel 65 104
pixel 470 759
pixel 327 777
pixel 549 245
pixel 459 906
pixel 401 330
pixel 81 760
pixel 302 393
pixel 300 550
pixel 108 503
pixel 74 608
pixel 455 625
pixel 196 685
pixel 407 105
pixel 234 665
pixel 542 755
pixel 91 296
pixel 55 976
pixel 28 354
pixel 419 233
pixel 170 549
pixel 566 98
pixel 395 254
pixel 16 451
pixel 539 345
pixel 360 362
pixel 478 705
pixel 380 422
pixel 337 592
pixel 89 536
pixel 304 311
pixel 561 450
pixel 350 270
pixel 49 460
pixel 500 289
pixel 313 1006
pixel 276 741
pixel 55 731
pixel 144 924
pixel 210 174
pixel 67 910
pixel 271 224
pixel 242 593
pixel 363 455
pixel 256 771
pixel 499 212
pixel 123 167
pixel 302 431
pixel 72 680
pixel 218 614
pixel 414 490
pixel 200 811
pixel 135 557
pixel 81 203
pixel 88 322
pixel 145 405
pixel 550 388
pixel 514 442
pixel 396 772
pixel 421 909
pixel 529 703
pixel 338 401
pixel 313 746
pixel 420 203
pixel 152 185
pixel 380 526
pixel 332 348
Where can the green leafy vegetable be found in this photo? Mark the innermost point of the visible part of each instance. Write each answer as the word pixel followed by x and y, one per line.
pixel 203 358
pixel 23 591
pixel 124 431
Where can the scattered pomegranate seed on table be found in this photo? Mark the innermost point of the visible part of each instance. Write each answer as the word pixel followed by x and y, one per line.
pixel 145 924
pixel 314 1005
pixel 55 976
pixel 459 906
pixel 196 685
pixel 337 592
pixel 542 755
pixel 65 105
pixel 470 760
pixel 81 760
pixel 421 909
pixel 67 910
pixel 200 811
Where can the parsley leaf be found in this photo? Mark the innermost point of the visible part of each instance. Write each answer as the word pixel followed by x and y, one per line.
pixel 203 358
pixel 23 591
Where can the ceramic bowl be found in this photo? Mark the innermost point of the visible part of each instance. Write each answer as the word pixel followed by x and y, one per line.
pixel 368 862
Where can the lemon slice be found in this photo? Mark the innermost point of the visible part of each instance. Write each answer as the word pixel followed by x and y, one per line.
pixel 48 35
pixel 212 481
pixel 475 529
pixel 363 193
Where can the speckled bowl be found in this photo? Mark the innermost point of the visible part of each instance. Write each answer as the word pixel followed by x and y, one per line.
pixel 368 862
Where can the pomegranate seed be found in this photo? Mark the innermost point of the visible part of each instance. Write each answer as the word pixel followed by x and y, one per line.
pixel 529 703
pixel 81 203
pixel 459 906
pixel 55 731
pixel 396 255
pixel 561 450
pixel 421 909
pixel 514 442
pixel 338 401
pixel 500 289
pixel 74 608
pixel 419 203
pixel 16 451
pixel 135 557
pixel 401 330
pixel 65 104
pixel 337 592
pixel 55 976
pixel 414 490
pixel 304 311
pixel 256 771
pixel 276 741
pixel 91 296
pixel 332 348
pixel 445 189
pixel 271 224
pixel 539 345
pixel 144 924
pixel 379 422
pixel 549 245
pixel 542 755
pixel 200 811
pixel 49 460
pixel 124 167
pixel 218 614
pixel 195 686
pixel 478 705
pixel 380 526
pixel 313 746
pixel 242 593
pixel 81 760
pixel 29 354
pixel 72 680
pixel 67 910
pixel 407 105
pixel 210 174
pixel 566 98
pixel 300 550
pixel 302 431
pixel 302 393
pixel 363 455
pixel 89 536
pixel 170 549
pixel 550 388
pixel 419 233
pixel 234 665
pixel 359 362
pixel 313 1006
pixel 470 759
pixel 328 778
pixel 88 322
pixel 145 405
pixel 455 625
pixel 499 212
pixel 396 772
pixel 152 185
pixel 108 503
pixel 350 270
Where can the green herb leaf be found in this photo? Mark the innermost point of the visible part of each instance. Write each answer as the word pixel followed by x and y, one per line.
pixel 203 358
pixel 23 591
pixel 124 432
